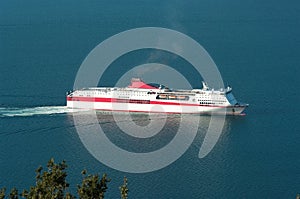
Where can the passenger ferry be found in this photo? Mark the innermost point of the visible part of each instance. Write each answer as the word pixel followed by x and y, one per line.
pixel 156 98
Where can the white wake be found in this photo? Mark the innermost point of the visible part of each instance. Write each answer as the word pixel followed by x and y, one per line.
pixel 41 110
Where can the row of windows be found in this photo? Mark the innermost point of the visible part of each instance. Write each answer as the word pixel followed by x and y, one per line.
pixel 172 97
pixel 132 101
pixel 209 103
pixel 212 100
pixel 211 97
pixel 205 103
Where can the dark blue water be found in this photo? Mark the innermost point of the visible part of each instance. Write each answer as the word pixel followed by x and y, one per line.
pixel 255 45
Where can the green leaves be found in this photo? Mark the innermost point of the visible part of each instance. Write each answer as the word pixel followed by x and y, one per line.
pixel 49 184
pixel 2 193
pixel 124 190
pixel 92 186
pixel 13 194
pixel 52 184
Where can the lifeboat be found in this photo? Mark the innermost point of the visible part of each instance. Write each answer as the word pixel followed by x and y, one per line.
pixel 162 96
pixel 181 97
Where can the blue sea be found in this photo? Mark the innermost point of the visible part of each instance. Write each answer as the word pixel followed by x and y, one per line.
pixel 255 45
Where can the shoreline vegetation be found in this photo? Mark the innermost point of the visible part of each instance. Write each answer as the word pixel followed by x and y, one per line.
pixel 52 183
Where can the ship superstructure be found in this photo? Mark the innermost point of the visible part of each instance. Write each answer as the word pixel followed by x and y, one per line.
pixel 155 98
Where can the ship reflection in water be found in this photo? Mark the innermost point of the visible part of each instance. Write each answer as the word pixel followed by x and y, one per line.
pixel 144 133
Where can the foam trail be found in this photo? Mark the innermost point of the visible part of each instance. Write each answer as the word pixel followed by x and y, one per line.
pixel 42 110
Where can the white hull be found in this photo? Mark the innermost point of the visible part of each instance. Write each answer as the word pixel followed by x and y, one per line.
pixel 155 108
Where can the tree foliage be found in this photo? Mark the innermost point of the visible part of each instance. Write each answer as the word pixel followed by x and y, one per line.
pixel 52 184
pixel 124 189
pixel 13 194
pixel 2 193
pixel 49 184
pixel 92 186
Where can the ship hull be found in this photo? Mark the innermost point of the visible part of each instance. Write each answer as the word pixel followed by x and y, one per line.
pixel 156 98
pixel 157 107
